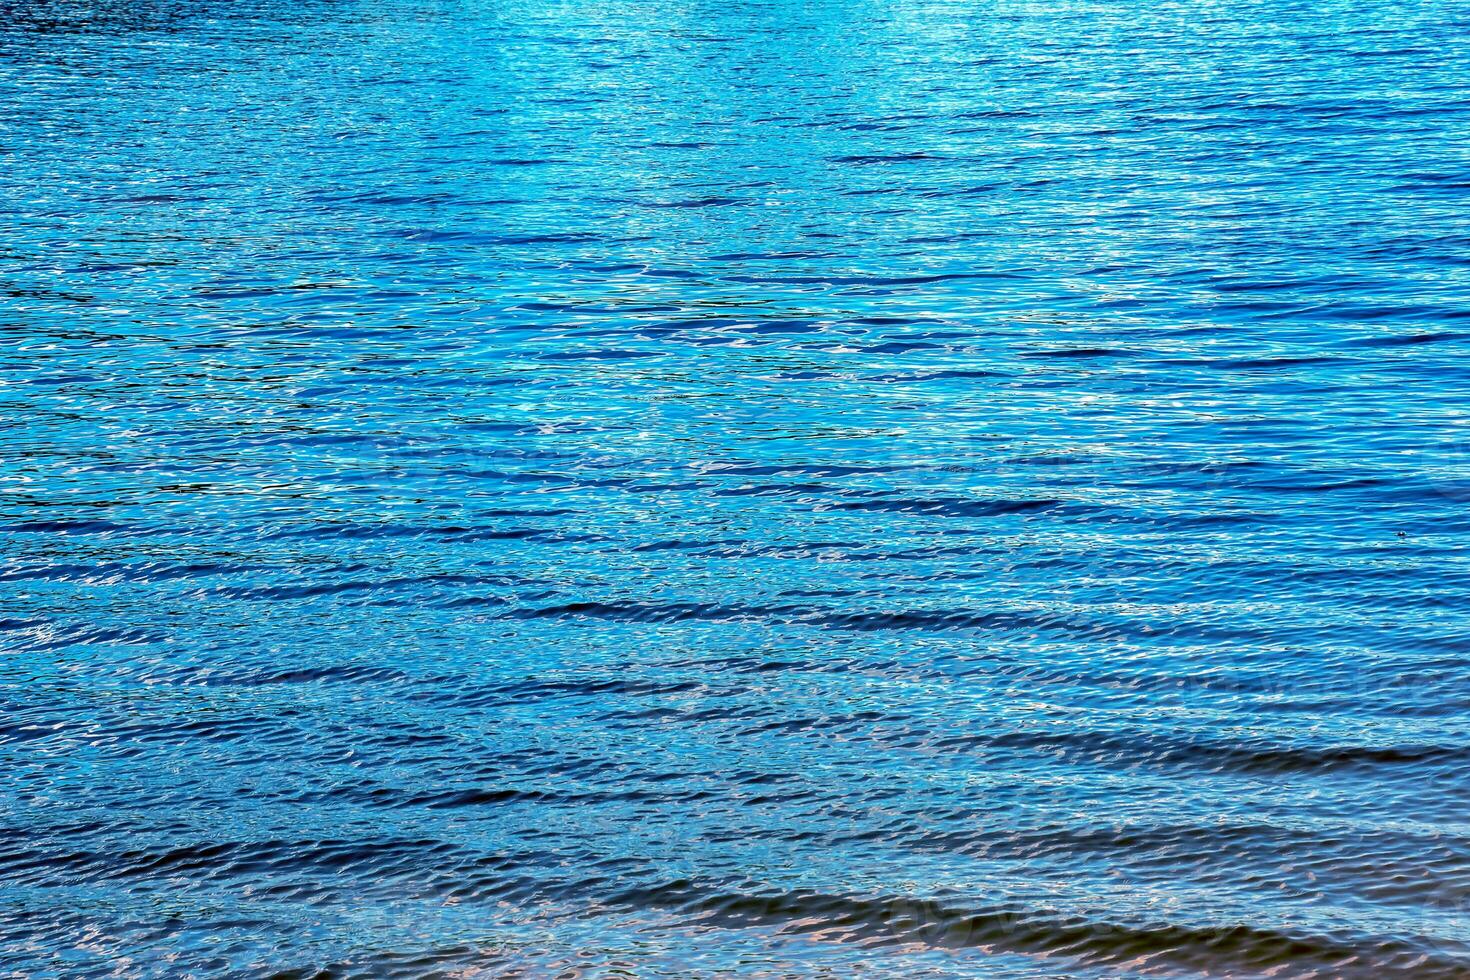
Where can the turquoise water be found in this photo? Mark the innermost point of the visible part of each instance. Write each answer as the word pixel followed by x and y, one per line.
pixel 907 489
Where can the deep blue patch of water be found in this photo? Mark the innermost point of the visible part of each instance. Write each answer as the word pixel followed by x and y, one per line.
pixel 734 489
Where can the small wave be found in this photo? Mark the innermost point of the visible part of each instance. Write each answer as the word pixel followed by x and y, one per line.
pixel 892 919
pixel 948 507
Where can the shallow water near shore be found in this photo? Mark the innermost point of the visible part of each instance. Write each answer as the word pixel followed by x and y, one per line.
pixel 908 489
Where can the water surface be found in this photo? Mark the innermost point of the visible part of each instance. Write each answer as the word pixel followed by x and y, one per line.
pixel 895 489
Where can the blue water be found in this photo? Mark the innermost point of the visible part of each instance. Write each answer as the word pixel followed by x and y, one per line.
pixel 886 489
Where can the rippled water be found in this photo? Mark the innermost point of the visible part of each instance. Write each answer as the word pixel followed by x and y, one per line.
pixel 810 489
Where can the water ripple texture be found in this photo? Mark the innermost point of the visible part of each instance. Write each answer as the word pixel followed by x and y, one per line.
pixel 746 489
